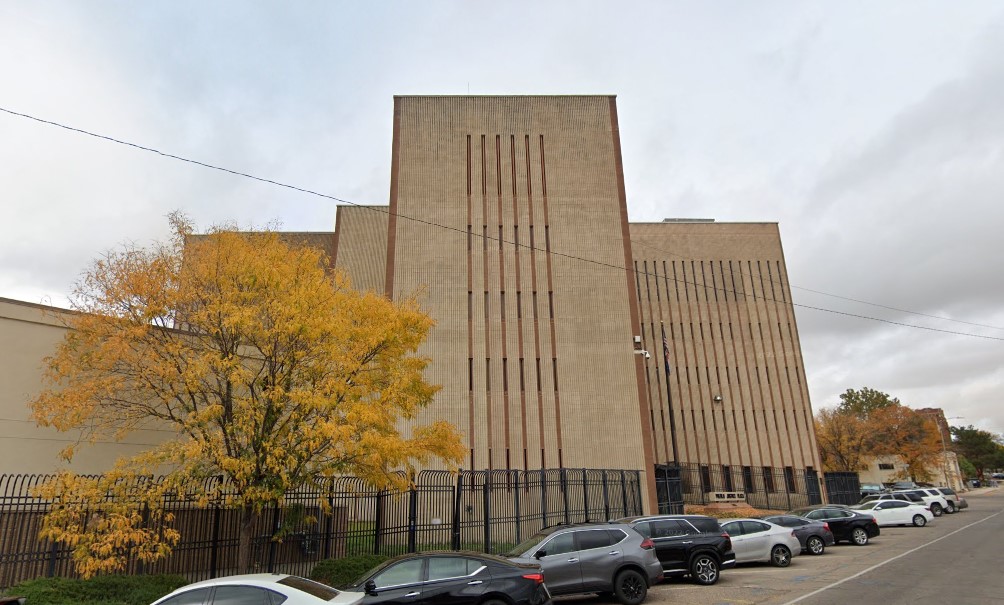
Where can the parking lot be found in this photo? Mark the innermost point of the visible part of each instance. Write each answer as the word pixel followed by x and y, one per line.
pixel 955 559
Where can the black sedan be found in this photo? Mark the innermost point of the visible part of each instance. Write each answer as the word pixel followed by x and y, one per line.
pixel 847 525
pixel 458 578
pixel 814 536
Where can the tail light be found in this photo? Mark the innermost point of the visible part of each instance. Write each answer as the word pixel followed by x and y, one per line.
pixel 793 534
pixel 647 544
pixel 536 577
pixel 826 526
pixel 728 540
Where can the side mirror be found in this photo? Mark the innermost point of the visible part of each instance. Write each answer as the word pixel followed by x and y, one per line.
pixel 540 554
pixel 370 588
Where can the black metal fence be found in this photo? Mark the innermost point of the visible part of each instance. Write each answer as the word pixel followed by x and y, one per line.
pixel 843 488
pixel 767 488
pixel 479 510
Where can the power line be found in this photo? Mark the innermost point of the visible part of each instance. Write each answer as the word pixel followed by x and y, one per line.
pixel 864 302
pixel 462 231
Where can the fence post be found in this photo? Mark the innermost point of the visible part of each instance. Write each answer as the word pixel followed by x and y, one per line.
pixel 487 509
pixel 564 492
pixel 519 513
pixel 543 496
pixel 270 568
pixel 585 493
pixel 145 517
pixel 606 498
pixel 329 520
pixel 624 492
pixel 378 524
pixel 412 518
pixel 53 555
pixel 455 539
pixel 215 548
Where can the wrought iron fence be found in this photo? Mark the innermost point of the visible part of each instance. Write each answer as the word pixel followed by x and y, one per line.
pixel 767 488
pixel 479 510
pixel 843 488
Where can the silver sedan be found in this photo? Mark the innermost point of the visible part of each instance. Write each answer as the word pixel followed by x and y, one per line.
pixel 761 541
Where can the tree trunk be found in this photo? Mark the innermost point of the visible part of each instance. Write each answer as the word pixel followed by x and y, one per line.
pixel 248 518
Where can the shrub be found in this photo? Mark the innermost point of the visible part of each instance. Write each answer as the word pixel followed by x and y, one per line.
pixel 340 573
pixel 99 590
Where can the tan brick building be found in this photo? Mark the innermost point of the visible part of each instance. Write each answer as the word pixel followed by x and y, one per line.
pixel 508 220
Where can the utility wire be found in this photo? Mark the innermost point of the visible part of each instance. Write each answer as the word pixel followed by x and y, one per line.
pixel 464 231
pixel 864 302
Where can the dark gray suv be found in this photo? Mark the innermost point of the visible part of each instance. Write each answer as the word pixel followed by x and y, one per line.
pixel 608 558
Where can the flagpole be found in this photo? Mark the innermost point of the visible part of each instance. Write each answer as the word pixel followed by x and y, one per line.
pixel 669 394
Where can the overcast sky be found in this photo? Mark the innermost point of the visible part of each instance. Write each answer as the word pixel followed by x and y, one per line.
pixel 873 133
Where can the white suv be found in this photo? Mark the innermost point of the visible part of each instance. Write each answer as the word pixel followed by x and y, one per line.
pixel 933 499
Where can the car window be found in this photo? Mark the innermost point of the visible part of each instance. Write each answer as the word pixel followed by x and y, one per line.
pixel 815 514
pixel 671 528
pixel 593 538
pixel 441 568
pixel 644 528
pixel 191 597
pixel 733 529
pixel 277 599
pixel 241 595
pixel 405 572
pixel 316 589
pixel 705 525
pixel 560 544
pixel 897 504
pixel 947 491
pixel 754 527
pixel 617 536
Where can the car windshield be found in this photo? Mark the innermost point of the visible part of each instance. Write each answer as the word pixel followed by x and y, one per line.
pixel 315 589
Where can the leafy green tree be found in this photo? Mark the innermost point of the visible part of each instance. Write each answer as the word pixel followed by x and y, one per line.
pixel 966 467
pixel 268 371
pixel 864 401
pixel 981 448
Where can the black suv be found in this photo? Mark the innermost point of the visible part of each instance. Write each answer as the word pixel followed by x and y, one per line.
pixel 687 544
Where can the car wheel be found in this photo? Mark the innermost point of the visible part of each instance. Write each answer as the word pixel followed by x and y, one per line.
pixel 919 520
pixel 780 556
pixel 936 510
pixel 859 536
pixel 815 545
pixel 630 587
pixel 951 508
pixel 704 569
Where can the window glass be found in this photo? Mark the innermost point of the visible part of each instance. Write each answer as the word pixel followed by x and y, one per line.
pixel 405 572
pixel 560 544
pixel 645 529
pixel 732 529
pixel 240 595
pixel 448 567
pixel 815 514
pixel 671 528
pixel 192 597
pixel 617 536
pixel 593 538
pixel 754 527
pixel 315 589
pixel 705 525
pixel 277 599
pixel 897 504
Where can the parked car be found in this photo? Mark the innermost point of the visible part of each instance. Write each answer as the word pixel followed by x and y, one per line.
pixel 259 589
pixel 846 524
pixel 814 536
pixel 997 476
pixel 868 489
pixel 955 501
pixel 896 512
pixel 459 578
pixel 693 545
pixel 904 496
pixel 934 500
pixel 900 485
pixel 593 557
pixel 757 541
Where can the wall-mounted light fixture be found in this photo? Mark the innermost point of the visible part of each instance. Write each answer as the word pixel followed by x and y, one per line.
pixel 643 352
pixel 717 399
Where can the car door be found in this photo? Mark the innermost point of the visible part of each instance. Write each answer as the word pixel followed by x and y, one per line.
pixel 399 583
pixel 896 512
pixel 560 562
pixel 598 557
pixel 757 537
pixel 454 581
pixel 740 546
pixel 838 521
pixel 674 539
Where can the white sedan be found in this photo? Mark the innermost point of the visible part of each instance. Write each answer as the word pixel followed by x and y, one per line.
pixel 896 512
pixel 259 589
pixel 755 540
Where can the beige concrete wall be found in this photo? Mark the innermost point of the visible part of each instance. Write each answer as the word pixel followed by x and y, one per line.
pixel 720 294
pixel 28 333
pixel 361 245
pixel 533 350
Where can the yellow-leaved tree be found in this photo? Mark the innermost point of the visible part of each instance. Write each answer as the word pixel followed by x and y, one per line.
pixel 269 371
pixel 844 440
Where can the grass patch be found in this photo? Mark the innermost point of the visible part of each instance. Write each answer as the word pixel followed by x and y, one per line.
pixel 101 590
pixel 340 573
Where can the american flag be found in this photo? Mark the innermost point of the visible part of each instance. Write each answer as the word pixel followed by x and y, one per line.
pixel 665 354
